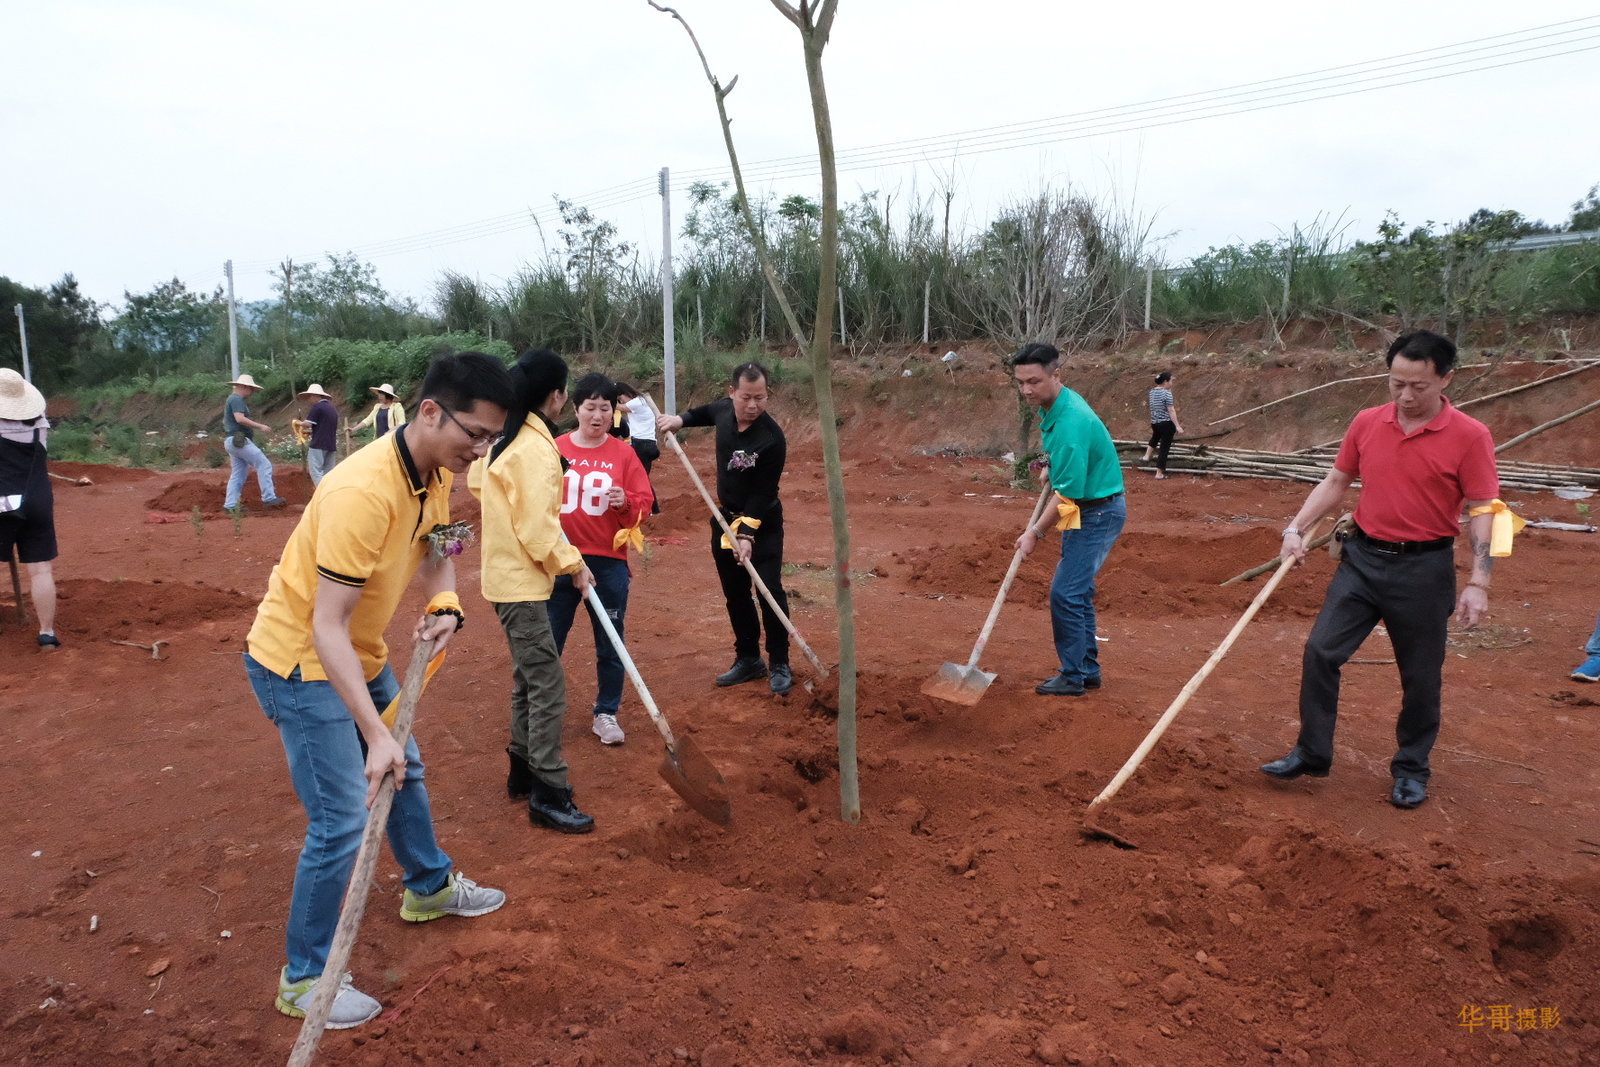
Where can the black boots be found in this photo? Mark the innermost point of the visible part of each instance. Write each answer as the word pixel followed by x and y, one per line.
pixel 519 780
pixel 744 669
pixel 552 806
pixel 548 805
pixel 782 680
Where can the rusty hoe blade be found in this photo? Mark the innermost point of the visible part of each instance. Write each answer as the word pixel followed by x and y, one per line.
pixel 684 767
pixel 693 777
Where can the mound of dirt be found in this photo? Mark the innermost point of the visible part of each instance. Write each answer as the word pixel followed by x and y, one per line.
pixel 1149 573
pixel 93 608
pixel 207 492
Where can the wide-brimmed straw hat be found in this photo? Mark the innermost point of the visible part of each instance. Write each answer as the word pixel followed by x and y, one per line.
pixel 315 390
pixel 245 380
pixel 19 400
pixel 386 389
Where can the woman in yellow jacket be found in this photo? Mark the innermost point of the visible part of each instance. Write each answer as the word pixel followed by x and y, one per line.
pixel 386 414
pixel 519 484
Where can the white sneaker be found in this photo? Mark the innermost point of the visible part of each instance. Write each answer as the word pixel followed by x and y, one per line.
pixel 460 896
pixel 608 731
pixel 351 1007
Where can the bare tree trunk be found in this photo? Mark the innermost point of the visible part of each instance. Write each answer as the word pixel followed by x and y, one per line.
pixel 815 36
pixel 814 21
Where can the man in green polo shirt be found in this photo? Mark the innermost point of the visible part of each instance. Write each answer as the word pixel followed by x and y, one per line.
pixel 1090 513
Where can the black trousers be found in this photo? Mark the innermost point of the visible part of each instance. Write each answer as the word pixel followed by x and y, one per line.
pixel 648 452
pixel 1161 435
pixel 1413 595
pixel 737 590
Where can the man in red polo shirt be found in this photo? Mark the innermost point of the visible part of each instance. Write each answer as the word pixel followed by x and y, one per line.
pixel 1419 460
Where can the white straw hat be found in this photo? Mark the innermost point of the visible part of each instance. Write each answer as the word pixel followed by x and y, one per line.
pixel 245 380
pixel 315 390
pixel 386 389
pixel 19 400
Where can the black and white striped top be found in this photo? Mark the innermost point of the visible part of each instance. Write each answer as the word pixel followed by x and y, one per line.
pixel 1160 404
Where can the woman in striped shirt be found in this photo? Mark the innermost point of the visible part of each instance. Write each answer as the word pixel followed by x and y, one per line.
pixel 1164 425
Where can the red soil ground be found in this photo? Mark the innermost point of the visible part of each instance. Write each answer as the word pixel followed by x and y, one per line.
pixel 964 920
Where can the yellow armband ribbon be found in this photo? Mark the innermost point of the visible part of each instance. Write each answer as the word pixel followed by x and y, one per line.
pixel 631 535
pixel 444 601
pixel 1506 525
pixel 742 520
pixel 392 712
pixel 1070 515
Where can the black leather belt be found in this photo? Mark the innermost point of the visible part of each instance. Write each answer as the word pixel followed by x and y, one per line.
pixel 1403 547
pixel 1085 505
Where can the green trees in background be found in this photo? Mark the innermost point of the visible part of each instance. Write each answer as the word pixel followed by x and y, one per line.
pixel 65 334
pixel 164 331
pixel 1056 265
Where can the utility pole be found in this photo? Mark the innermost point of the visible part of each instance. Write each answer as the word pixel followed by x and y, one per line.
pixel 287 266
pixel 669 364
pixel 1149 283
pixel 233 324
pixel 22 328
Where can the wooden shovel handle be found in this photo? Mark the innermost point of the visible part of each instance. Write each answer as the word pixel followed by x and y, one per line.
pixel 1005 585
pixel 1194 684
pixel 355 897
pixel 716 513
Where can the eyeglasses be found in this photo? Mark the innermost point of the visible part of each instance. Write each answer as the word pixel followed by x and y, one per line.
pixel 487 439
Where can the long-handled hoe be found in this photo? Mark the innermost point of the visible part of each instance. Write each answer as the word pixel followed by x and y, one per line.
pixel 822 688
pixel 1090 827
pixel 355 896
pixel 966 683
pixel 685 767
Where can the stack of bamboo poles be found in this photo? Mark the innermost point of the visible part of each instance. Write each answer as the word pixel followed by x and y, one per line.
pixel 1312 465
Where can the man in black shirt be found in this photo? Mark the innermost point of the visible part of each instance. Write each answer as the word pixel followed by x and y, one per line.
pixel 750 454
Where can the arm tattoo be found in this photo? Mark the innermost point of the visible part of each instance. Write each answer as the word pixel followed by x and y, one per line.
pixel 1480 555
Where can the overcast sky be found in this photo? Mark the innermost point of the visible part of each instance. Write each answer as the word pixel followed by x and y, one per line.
pixel 156 138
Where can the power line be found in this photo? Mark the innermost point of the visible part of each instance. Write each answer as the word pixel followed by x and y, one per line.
pixel 1242 89
pixel 1136 118
pixel 1328 83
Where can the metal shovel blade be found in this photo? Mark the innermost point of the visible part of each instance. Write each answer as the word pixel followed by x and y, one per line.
pixel 691 774
pixel 959 684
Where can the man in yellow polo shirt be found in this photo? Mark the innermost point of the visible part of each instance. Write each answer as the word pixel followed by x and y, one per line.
pixel 318 664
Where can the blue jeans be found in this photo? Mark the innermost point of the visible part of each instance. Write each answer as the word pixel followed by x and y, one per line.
pixel 611 582
pixel 1593 645
pixel 247 459
pixel 1083 553
pixel 327 758
pixel 319 461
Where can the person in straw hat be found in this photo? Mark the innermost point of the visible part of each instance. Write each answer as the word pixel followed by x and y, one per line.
pixel 27 507
pixel 322 422
pixel 242 449
pixel 386 414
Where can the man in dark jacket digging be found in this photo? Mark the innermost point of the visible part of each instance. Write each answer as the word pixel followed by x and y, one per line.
pixel 751 451
pixel 1419 460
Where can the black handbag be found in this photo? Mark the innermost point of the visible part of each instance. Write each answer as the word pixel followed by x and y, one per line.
pixel 15 505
